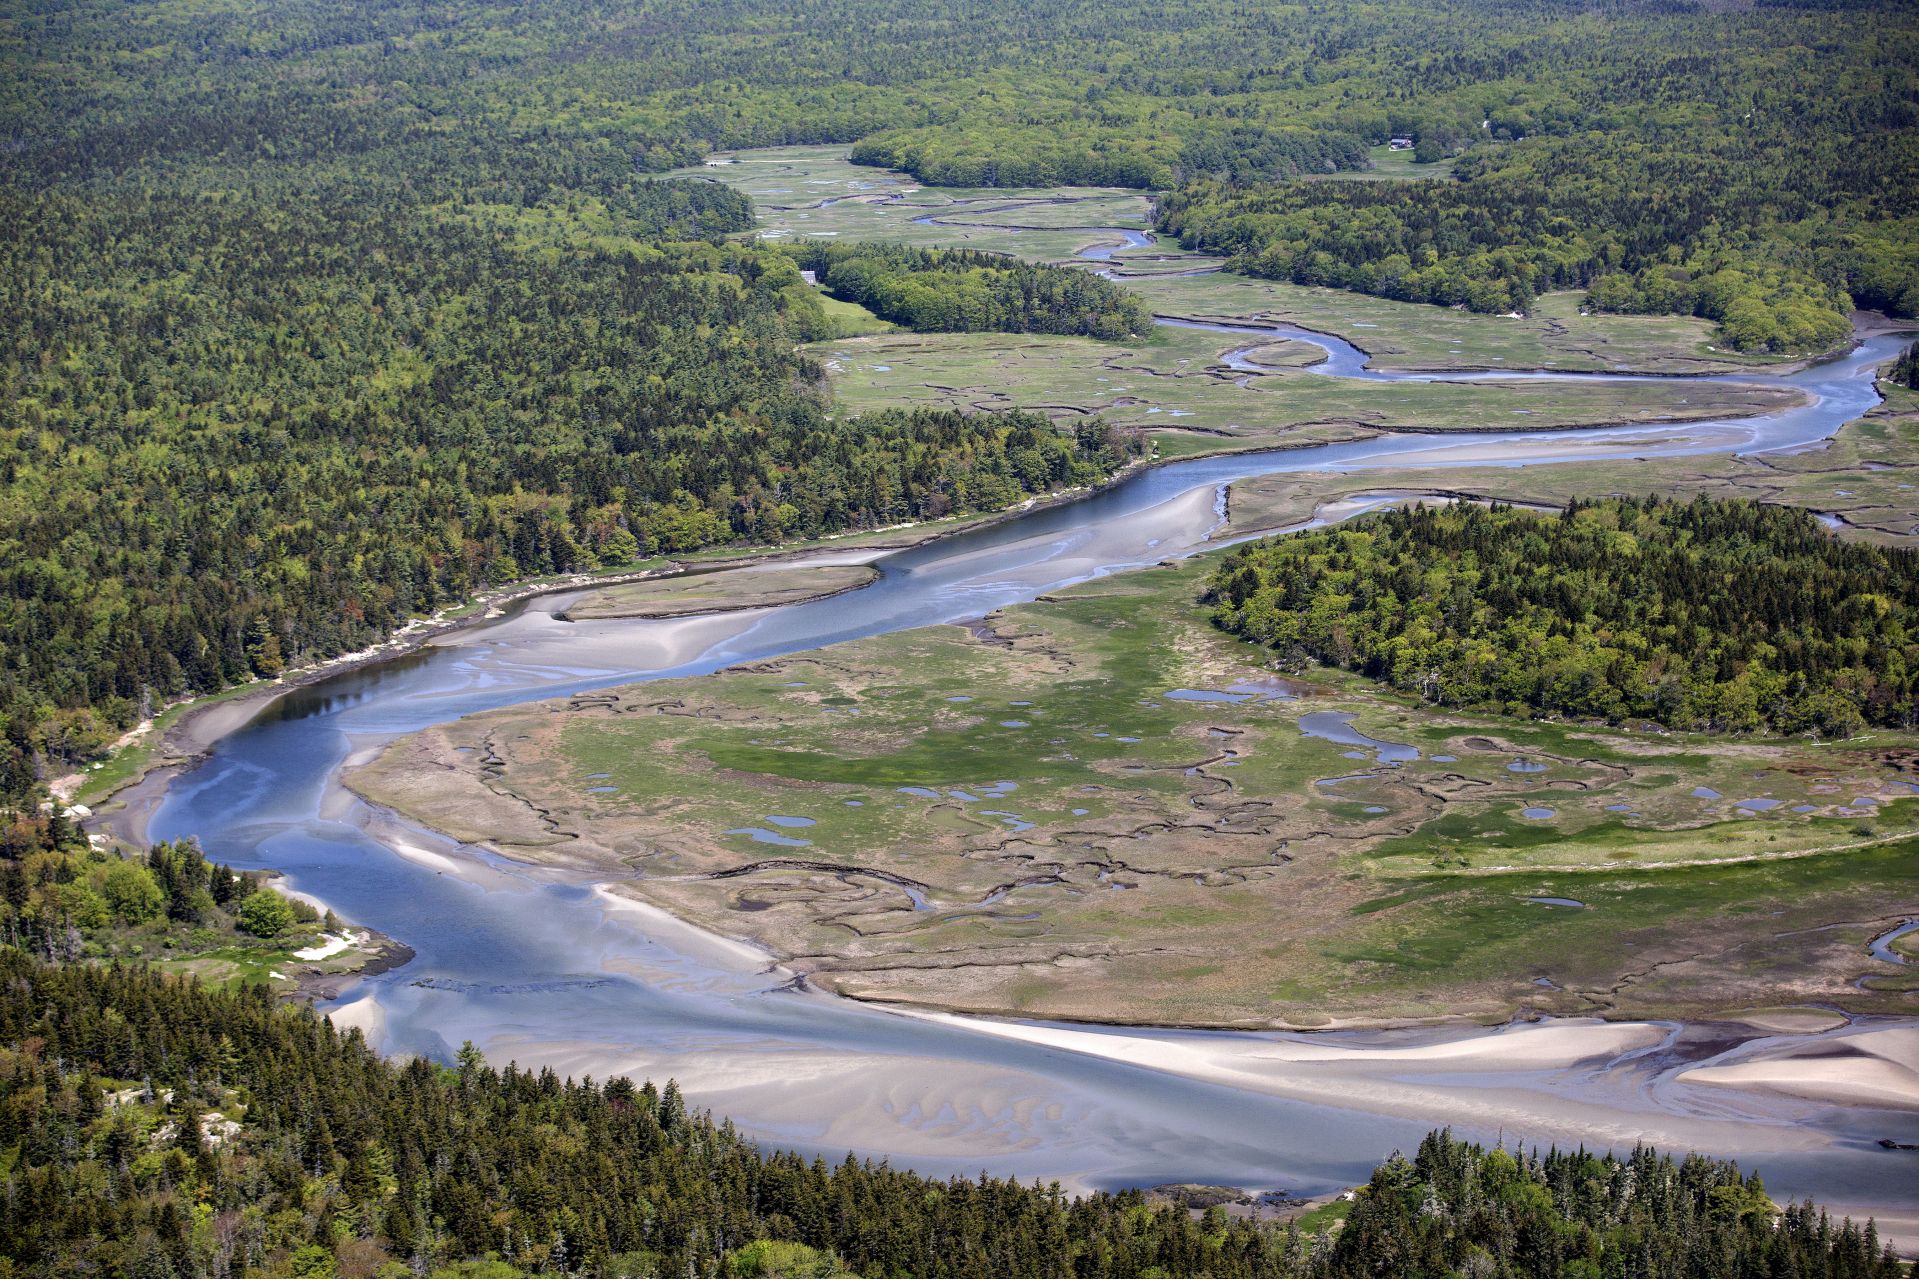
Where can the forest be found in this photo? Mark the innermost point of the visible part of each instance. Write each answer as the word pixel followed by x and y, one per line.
pixel 64 901
pixel 1715 616
pixel 321 315
pixel 266 453
pixel 154 1128
pixel 966 291
pixel 1493 245
pixel 1738 186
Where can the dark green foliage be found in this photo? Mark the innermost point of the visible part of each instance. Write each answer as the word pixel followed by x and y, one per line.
pixel 1460 1209
pixel 964 291
pixel 1444 243
pixel 62 899
pixel 995 155
pixel 1904 371
pixel 1550 214
pixel 1717 616
pixel 412 1162
pixel 341 1156
pixel 1666 176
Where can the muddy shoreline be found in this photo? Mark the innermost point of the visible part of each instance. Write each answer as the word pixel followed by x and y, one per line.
pixel 122 813
pixel 641 612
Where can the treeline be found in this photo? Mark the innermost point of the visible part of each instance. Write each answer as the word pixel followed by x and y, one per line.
pixel 63 900
pixel 966 291
pixel 1657 240
pixel 1729 617
pixel 1460 1209
pixel 1494 245
pixel 992 155
pixel 153 1128
pixel 1904 371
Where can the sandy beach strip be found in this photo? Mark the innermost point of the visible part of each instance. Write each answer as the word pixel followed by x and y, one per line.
pixel 1872 1067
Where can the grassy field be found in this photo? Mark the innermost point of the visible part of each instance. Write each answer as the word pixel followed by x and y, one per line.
pixel 1173 381
pixel 1098 806
pixel 1867 477
pixel 1390 165
pixel 1407 335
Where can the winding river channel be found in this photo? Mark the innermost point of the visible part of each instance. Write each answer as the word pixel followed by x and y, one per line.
pixel 544 967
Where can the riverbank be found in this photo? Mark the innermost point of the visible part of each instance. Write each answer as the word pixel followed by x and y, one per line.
pixel 721 590
pixel 183 733
pixel 1744 1088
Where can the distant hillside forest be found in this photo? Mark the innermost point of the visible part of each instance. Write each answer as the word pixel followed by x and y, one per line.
pixel 1726 617
pixel 966 291
pixel 156 1129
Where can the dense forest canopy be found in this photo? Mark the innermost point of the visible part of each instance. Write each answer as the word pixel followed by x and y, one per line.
pixel 72 902
pixel 318 315
pixel 238 437
pixel 966 291
pixel 1721 616
pixel 151 1127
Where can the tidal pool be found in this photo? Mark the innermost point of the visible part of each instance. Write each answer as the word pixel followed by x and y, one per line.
pixel 1337 727
pixel 761 835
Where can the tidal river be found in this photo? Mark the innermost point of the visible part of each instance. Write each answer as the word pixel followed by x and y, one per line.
pixel 546 969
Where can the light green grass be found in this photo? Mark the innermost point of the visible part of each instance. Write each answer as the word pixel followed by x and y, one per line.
pixel 1390 165
pixel 851 320
pixel 1173 378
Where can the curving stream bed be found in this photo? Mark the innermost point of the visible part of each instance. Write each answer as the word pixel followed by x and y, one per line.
pixel 546 968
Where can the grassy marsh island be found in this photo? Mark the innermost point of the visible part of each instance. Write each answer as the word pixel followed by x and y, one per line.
pixel 1099 805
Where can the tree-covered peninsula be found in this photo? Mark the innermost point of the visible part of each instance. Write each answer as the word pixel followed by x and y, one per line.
pixel 1721 616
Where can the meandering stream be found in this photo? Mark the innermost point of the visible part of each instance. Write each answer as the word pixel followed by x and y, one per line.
pixel 541 967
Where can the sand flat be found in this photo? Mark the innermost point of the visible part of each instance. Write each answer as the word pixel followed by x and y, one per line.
pixel 1881 1069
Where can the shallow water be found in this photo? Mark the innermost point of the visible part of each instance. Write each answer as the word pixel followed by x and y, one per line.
pixel 1337 726
pixel 761 835
pixel 611 989
pixel 1881 946
pixel 1204 695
